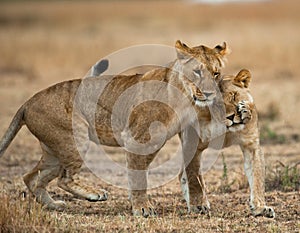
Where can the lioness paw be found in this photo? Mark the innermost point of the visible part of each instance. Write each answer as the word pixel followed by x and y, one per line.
pixel 265 212
pixel 200 209
pixel 145 212
pixel 103 196
pixel 56 205
pixel 244 110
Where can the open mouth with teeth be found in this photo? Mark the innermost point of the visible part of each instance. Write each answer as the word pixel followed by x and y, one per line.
pixel 202 103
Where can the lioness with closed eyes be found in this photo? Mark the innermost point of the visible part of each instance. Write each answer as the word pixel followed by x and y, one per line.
pixel 51 113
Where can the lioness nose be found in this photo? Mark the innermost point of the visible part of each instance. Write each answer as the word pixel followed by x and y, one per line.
pixel 208 94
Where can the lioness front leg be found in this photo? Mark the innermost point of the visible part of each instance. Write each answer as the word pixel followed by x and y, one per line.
pixel 244 109
pixel 255 171
pixel 191 181
pixel 137 168
pixel 193 187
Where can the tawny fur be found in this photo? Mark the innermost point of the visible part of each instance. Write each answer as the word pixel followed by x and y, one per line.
pixel 242 129
pixel 49 114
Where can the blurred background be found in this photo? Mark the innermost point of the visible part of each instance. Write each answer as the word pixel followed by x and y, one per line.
pixel 45 42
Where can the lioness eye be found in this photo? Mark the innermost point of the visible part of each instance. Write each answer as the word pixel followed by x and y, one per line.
pixel 235 94
pixel 216 74
pixel 197 72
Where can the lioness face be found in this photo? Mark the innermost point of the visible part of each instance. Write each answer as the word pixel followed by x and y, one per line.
pixel 201 67
pixel 237 99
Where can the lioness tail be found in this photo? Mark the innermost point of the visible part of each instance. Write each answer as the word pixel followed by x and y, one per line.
pixel 12 130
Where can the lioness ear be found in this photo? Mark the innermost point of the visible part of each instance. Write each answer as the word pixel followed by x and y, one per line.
pixel 242 79
pixel 183 51
pixel 222 49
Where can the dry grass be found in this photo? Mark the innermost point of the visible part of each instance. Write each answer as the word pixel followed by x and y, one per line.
pixel 283 177
pixel 229 214
pixel 46 42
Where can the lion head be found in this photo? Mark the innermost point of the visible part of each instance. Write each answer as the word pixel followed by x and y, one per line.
pixel 200 67
pixel 237 99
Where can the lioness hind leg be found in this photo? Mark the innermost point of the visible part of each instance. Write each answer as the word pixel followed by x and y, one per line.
pixel 71 164
pixel 46 170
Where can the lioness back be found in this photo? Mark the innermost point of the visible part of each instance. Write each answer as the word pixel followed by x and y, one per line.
pixel 48 114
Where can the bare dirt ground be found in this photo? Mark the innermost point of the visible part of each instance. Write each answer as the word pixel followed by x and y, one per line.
pixel 42 43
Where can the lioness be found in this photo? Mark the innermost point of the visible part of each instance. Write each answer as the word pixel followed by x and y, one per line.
pixel 242 129
pixel 51 113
